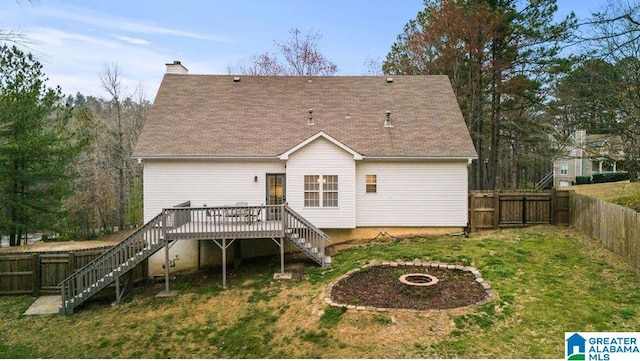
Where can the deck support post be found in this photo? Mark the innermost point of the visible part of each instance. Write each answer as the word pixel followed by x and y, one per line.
pixel 166 266
pixel 117 289
pixel 281 255
pixel 224 263
pixel 282 275
pixel 223 246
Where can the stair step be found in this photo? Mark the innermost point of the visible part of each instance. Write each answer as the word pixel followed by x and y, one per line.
pixel 327 260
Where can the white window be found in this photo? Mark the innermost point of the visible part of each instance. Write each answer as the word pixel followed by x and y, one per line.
pixel 311 191
pixel 564 169
pixel 321 190
pixel 372 183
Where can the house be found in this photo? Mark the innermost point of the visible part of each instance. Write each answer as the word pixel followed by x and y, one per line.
pixel 355 156
pixel 585 155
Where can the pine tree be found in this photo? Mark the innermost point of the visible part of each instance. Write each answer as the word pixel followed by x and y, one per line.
pixel 37 147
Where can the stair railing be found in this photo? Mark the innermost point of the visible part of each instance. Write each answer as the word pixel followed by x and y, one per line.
pixel 297 227
pixel 116 261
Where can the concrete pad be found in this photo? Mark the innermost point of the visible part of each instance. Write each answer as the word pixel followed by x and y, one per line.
pixel 45 305
pixel 282 276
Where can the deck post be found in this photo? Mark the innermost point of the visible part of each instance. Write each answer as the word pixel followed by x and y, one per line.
pixel 166 266
pixel 282 255
pixel 117 289
pixel 224 263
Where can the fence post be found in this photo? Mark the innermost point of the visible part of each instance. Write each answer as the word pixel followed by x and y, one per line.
pixel 496 210
pixel 553 206
pixel 36 275
pixel 71 264
pixel 472 211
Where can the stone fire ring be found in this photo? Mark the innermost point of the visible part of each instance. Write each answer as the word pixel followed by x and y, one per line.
pixel 418 279
pixel 491 294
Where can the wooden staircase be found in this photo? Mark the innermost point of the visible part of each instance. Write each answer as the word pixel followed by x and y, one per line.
pixel 118 261
pixel 113 264
pixel 545 183
pixel 305 236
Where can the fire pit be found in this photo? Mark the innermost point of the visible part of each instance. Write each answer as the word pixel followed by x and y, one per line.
pixel 420 284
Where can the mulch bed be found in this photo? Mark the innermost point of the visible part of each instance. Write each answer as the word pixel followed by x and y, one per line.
pixel 379 286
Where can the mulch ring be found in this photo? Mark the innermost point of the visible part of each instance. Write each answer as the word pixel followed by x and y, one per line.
pixel 377 287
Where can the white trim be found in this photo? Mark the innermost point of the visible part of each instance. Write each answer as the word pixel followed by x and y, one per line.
pixel 285 155
pixel 203 156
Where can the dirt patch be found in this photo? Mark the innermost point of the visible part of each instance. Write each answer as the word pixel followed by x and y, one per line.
pixel 380 287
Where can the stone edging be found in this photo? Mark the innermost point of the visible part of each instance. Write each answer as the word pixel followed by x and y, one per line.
pixel 491 294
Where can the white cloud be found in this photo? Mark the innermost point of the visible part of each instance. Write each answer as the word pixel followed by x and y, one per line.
pixel 134 41
pixel 126 24
pixel 75 61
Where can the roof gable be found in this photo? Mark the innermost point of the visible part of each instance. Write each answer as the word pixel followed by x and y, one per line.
pixel 321 134
pixel 220 116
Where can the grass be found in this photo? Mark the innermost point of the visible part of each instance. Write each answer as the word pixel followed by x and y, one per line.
pixel 549 281
pixel 624 193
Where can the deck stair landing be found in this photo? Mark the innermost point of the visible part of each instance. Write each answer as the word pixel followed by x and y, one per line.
pixel 185 222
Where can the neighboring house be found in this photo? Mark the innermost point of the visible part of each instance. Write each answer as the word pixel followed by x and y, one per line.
pixel 586 154
pixel 354 155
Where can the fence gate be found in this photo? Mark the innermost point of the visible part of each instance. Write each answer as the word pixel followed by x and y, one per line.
pixel 493 209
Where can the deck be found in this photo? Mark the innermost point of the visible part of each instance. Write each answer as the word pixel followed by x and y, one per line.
pixel 225 223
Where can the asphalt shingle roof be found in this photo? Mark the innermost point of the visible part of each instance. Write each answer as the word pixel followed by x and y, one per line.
pixel 264 116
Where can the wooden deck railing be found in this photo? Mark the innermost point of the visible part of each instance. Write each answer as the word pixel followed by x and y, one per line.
pixel 185 222
pixel 114 263
pixel 310 239
pixel 228 222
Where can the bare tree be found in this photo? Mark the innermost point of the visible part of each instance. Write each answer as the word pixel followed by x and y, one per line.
pixel 14 36
pixel 300 56
pixel 615 38
pixel 123 122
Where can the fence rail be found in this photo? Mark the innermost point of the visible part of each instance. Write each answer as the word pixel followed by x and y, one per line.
pixel 42 272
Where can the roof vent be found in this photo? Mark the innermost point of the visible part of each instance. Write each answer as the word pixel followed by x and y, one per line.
pixel 387 121
pixel 389 80
pixel 310 121
pixel 236 79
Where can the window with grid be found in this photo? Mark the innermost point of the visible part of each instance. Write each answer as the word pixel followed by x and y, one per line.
pixel 372 183
pixel 564 169
pixel 311 191
pixel 330 191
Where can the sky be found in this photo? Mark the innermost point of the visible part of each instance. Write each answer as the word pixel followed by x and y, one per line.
pixel 76 39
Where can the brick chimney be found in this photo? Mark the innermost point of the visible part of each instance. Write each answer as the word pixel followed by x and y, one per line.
pixel 176 68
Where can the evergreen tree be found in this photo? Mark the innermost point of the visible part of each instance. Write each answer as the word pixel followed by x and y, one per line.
pixel 497 54
pixel 37 147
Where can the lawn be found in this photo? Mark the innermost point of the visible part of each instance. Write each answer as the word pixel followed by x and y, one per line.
pixel 549 281
pixel 623 193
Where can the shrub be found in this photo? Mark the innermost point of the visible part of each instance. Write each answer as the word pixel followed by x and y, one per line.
pixel 610 177
pixel 583 179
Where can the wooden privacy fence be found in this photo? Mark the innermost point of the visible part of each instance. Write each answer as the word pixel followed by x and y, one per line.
pixel 36 273
pixel 497 209
pixel 616 227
